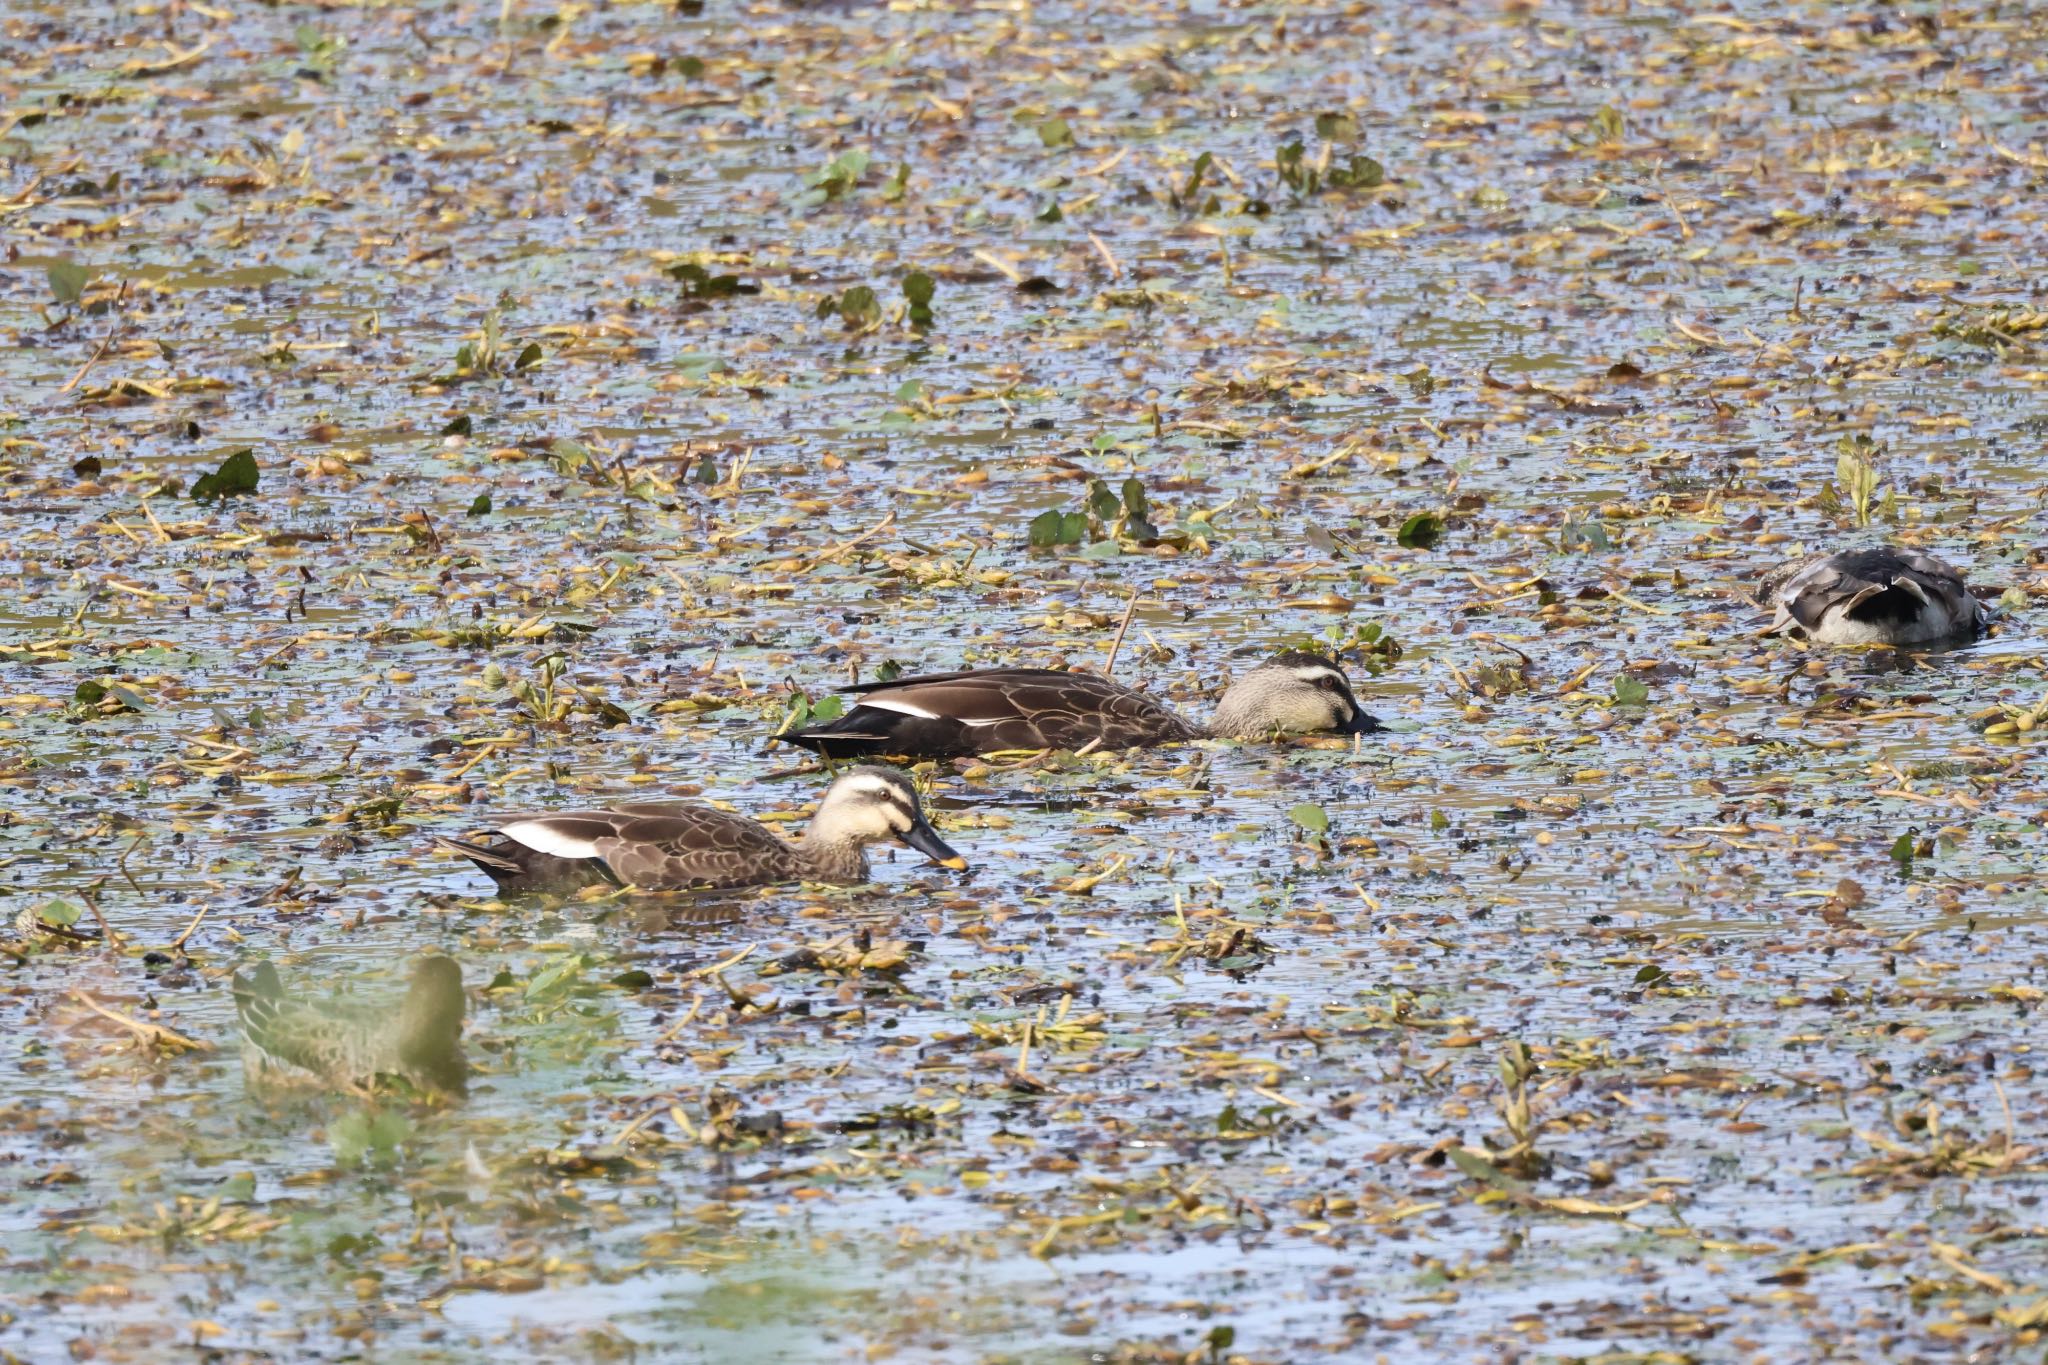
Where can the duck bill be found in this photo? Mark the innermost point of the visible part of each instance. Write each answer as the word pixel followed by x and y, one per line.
pixel 922 837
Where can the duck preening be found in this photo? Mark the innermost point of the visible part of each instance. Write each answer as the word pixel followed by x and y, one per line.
pixel 949 715
pixel 1884 596
pixel 344 1043
pixel 665 846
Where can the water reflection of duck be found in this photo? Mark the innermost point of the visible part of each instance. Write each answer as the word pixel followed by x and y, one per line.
pixel 1884 596
pixel 346 1043
pixel 946 715
pixel 659 846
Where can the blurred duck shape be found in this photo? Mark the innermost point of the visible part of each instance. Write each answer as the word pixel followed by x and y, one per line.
pixel 345 1044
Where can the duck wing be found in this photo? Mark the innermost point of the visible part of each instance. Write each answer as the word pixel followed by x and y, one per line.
pixel 1806 594
pixel 297 1040
pixel 1803 593
pixel 1943 584
pixel 945 715
pixel 684 846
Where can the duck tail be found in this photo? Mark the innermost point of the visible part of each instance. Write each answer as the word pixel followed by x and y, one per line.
pixel 496 864
pixel 833 742
pixel 260 986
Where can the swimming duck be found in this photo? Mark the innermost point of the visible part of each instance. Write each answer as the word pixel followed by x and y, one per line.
pixel 948 715
pixel 343 1043
pixel 1885 596
pixel 667 845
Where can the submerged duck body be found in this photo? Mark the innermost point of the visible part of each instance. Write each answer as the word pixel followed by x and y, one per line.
pixel 341 1043
pixel 979 711
pixel 1884 596
pixel 665 846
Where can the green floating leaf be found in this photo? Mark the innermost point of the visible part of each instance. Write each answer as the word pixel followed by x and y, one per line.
pixel 1294 172
pixel 918 289
pixel 1052 528
pixel 1421 531
pixel 1362 173
pixel 461 426
pixel 699 283
pixel 859 309
pixel 1438 821
pixel 1311 817
pixel 529 357
pixel 480 505
pixel 1336 127
pixel 1591 534
pixel 1195 175
pixel 354 1136
pixel 1650 974
pixel 68 280
pixel 1902 850
pixel 58 914
pixel 1103 503
pixel 1055 133
pixel 237 474
pixel 1479 1168
pixel 1630 692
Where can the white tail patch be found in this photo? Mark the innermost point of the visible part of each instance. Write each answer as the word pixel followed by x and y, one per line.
pixel 900 707
pixel 542 836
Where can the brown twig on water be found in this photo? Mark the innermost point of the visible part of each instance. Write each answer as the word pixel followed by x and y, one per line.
pixel 148 1033
pixel 106 342
pixel 92 903
pixel 121 865
pixel 1130 608
pixel 830 553
pixel 178 943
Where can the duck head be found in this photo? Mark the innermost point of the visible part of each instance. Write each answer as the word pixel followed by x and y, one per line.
pixel 1292 693
pixel 871 803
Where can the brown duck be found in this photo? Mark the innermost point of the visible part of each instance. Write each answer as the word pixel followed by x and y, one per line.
pixel 663 846
pixel 344 1043
pixel 1885 596
pixel 947 715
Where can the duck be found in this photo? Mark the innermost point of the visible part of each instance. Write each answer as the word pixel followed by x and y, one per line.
pixel 669 845
pixel 344 1044
pixel 1882 596
pixel 980 711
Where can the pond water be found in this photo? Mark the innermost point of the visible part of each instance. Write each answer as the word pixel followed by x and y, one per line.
pixel 1651 989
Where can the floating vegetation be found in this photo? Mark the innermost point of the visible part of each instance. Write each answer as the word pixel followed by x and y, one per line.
pixel 419 414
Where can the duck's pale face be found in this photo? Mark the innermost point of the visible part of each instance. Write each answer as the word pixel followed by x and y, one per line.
pixel 869 805
pixel 1288 698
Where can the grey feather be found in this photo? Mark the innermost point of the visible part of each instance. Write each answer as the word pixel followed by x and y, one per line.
pixel 1889 595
